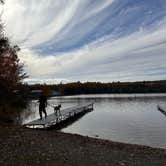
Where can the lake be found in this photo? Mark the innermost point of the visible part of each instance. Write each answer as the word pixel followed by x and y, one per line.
pixel 130 118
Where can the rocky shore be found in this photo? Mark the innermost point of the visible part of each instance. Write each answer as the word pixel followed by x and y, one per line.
pixel 25 147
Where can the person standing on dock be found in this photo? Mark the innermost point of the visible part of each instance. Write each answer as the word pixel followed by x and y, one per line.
pixel 42 105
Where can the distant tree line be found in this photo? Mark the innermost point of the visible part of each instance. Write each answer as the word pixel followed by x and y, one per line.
pixel 99 88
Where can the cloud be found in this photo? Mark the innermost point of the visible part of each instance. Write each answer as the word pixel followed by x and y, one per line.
pixel 33 18
pixel 89 40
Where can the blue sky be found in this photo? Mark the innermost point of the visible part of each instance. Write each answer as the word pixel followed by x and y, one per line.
pixel 90 40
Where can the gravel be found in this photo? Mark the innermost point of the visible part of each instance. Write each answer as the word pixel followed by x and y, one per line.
pixel 20 146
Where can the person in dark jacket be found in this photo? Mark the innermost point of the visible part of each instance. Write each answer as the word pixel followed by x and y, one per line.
pixel 42 105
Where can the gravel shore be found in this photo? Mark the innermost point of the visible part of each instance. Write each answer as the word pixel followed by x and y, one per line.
pixel 25 147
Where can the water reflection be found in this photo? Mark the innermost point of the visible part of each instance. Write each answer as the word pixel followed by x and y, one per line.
pixel 131 118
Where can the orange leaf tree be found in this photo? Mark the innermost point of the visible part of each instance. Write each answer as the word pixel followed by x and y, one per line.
pixel 11 75
pixel 11 70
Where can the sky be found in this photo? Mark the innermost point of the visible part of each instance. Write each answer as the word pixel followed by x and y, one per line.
pixel 88 40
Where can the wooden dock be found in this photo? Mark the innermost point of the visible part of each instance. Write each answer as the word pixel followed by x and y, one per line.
pixel 162 110
pixel 61 117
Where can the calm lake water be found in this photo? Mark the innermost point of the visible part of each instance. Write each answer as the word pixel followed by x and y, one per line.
pixel 130 118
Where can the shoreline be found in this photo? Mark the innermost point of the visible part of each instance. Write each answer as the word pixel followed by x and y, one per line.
pixel 116 142
pixel 22 146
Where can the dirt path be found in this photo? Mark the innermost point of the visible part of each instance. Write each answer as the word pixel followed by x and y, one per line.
pixel 26 147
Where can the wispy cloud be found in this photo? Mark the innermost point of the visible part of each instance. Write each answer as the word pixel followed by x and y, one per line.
pixel 90 40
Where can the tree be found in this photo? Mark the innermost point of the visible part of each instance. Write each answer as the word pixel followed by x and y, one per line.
pixel 11 74
pixel 11 70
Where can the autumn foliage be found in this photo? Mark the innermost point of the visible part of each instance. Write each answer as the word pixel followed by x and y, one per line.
pixel 11 70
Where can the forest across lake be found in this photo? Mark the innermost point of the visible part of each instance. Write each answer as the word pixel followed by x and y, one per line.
pixel 76 88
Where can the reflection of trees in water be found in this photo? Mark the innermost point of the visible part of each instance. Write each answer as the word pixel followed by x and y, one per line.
pixel 109 98
pixel 9 114
pixel 29 113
